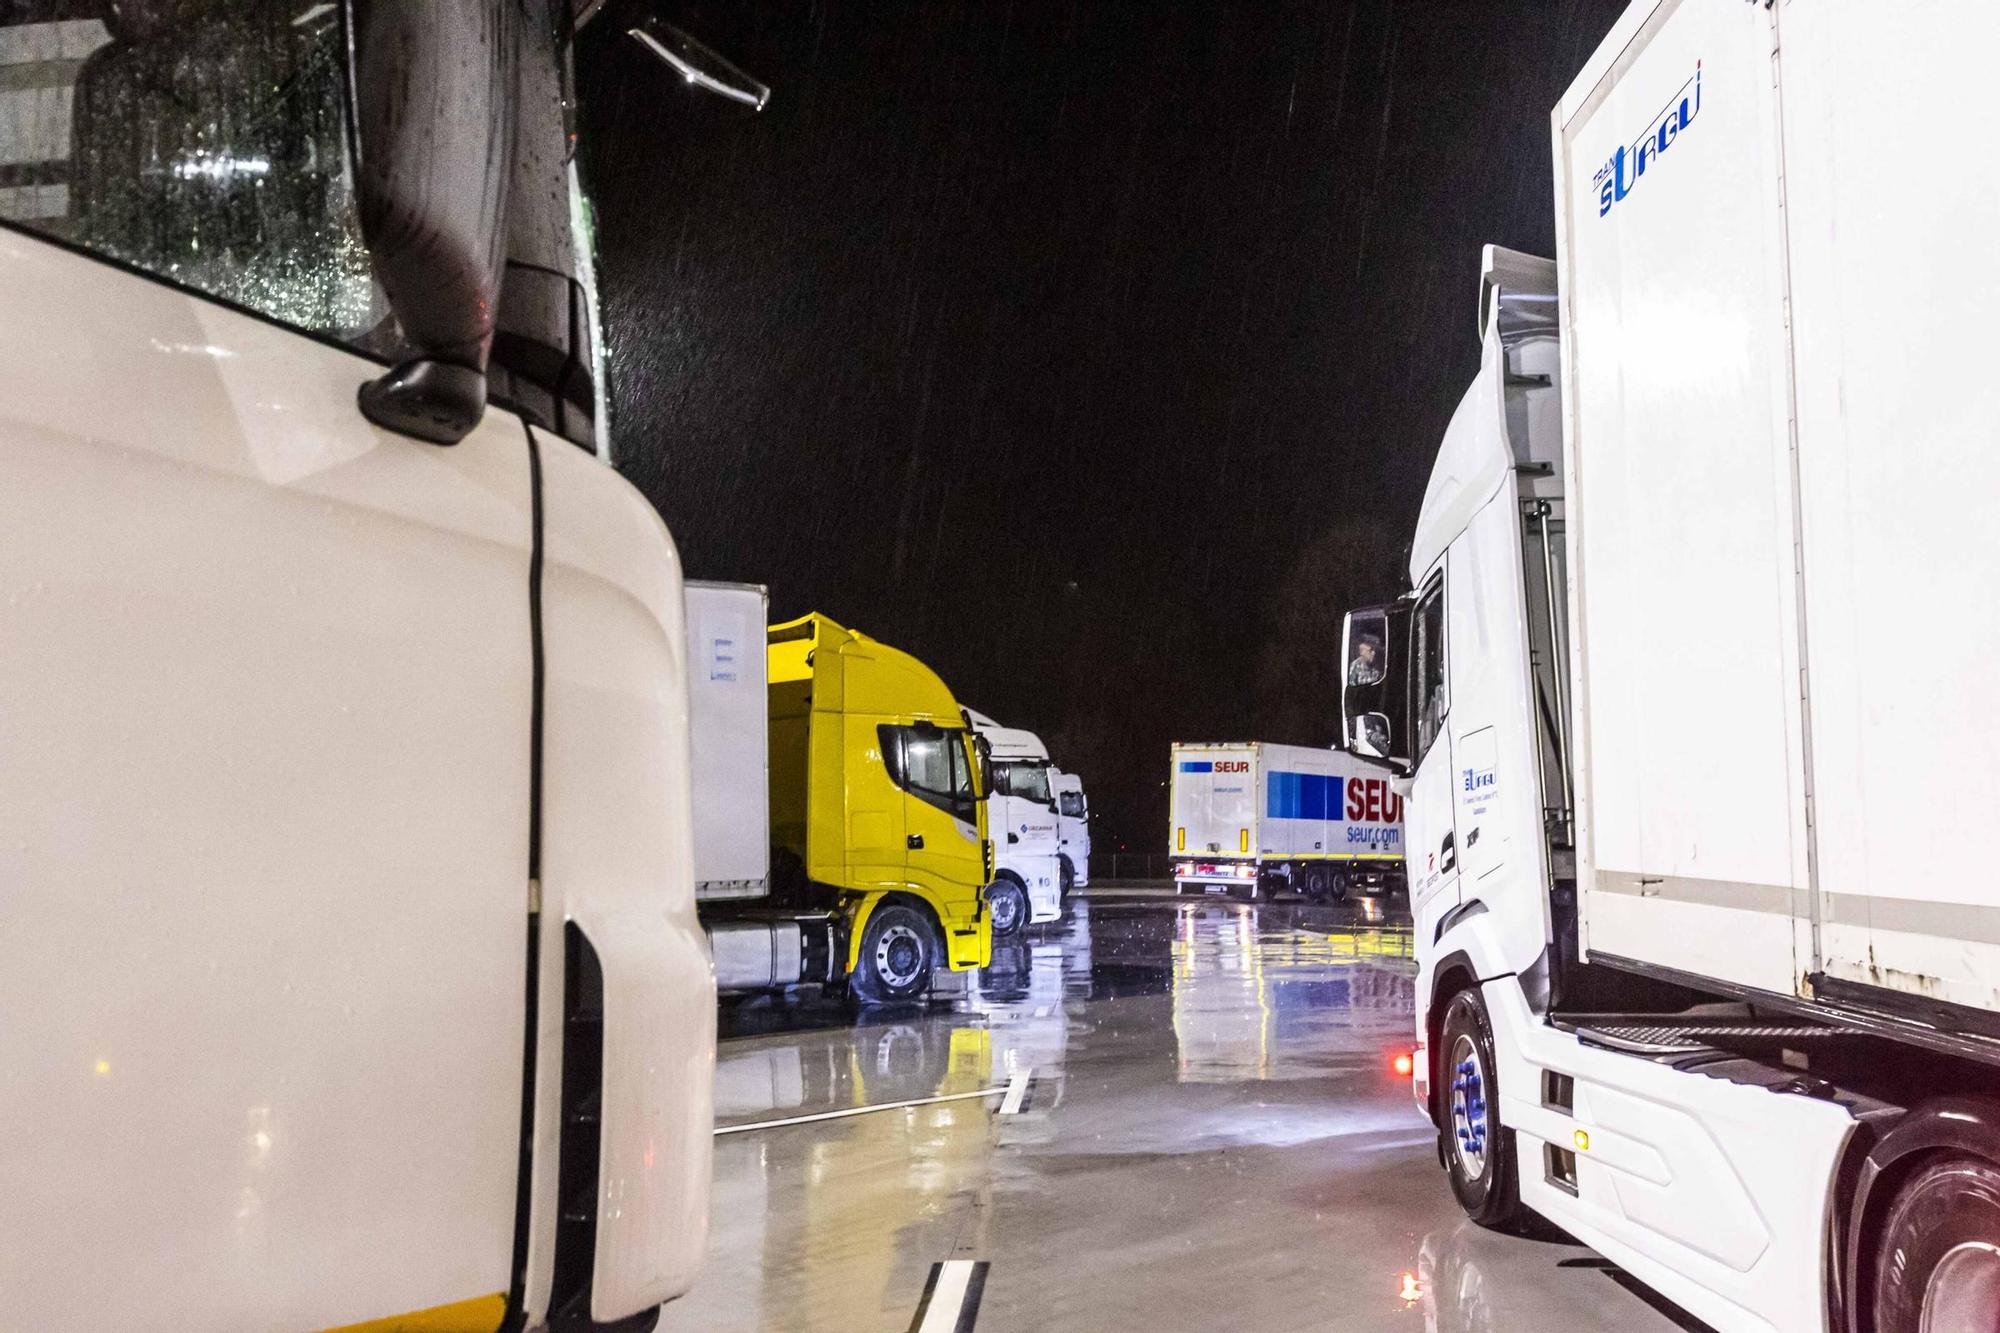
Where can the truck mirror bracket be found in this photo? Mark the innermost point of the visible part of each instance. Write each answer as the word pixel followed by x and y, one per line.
pixel 433 401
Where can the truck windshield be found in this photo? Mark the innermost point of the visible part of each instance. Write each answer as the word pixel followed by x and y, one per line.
pixel 203 142
pixel 1028 779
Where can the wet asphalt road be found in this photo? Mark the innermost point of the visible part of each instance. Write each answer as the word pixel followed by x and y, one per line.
pixel 1206 1133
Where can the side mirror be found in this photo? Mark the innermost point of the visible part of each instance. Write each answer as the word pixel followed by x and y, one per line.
pixel 1374 684
pixel 698 65
pixel 1371 736
pixel 982 765
pixel 433 125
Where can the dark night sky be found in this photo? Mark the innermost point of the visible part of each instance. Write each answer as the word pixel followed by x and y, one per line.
pixel 1095 353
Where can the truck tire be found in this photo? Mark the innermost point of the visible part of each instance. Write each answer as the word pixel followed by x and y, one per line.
pixel 1324 884
pixel 1007 902
pixel 1478 1150
pixel 1068 880
pixel 898 950
pixel 1937 1256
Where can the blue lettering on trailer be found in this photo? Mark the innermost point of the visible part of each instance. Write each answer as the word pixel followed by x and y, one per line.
pixel 1623 170
pixel 1197 766
pixel 1303 796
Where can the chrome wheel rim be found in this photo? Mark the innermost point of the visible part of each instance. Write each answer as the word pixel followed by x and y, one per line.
pixel 1963 1294
pixel 1468 1107
pixel 899 956
pixel 1006 906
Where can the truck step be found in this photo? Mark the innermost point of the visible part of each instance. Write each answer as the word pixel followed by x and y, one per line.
pixel 1652 1034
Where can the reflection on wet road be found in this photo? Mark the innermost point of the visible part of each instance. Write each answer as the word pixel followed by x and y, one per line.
pixel 1211 1136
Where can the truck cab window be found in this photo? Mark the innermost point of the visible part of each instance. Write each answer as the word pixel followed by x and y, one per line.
pixel 207 148
pixel 1029 781
pixel 931 764
pixel 1072 805
pixel 1432 702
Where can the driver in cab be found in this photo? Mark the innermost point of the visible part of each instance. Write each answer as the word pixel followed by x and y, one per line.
pixel 1366 668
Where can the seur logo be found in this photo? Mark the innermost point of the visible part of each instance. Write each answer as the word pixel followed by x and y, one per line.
pixel 1620 174
pixel 1478 780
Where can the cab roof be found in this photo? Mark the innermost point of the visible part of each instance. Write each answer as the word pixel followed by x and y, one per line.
pixel 1007 742
pixel 853 673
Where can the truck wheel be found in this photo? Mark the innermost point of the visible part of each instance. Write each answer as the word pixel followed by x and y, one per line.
pixel 1337 886
pixel 1937 1257
pixel 1479 1151
pixel 1008 902
pixel 898 950
pixel 1068 878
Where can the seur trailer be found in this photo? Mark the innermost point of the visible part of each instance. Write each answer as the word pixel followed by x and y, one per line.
pixel 1264 818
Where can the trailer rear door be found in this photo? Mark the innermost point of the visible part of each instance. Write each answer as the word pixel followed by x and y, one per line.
pixel 1215 800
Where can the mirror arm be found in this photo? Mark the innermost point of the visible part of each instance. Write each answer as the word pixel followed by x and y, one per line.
pixel 434 133
pixel 700 66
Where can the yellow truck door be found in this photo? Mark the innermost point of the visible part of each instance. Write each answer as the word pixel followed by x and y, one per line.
pixel 878 854
pixel 946 843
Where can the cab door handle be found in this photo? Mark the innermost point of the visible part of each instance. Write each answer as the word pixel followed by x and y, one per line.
pixel 916 842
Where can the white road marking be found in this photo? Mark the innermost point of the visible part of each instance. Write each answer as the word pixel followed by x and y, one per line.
pixel 951 1300
pixel 1017 1092
pixel 861 1110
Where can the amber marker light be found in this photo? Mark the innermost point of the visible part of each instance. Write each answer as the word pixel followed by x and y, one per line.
pixel 1404 1064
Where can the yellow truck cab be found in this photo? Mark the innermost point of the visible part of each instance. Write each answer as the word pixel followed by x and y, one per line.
pixel 878 789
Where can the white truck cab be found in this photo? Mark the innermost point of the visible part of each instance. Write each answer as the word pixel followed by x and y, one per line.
pixel 1705 973
pixel 1027 846
pixel 1072 829
pixel 351 965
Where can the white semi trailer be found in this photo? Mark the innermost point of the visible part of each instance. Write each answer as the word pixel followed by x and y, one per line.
pixel 1027 847
pixel 1261 817
pixel 1692 694
pixel 351 968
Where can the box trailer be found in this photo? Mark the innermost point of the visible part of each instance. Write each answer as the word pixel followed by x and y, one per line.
pixel 729 734
pixel 1264 817
pixel 1691 692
